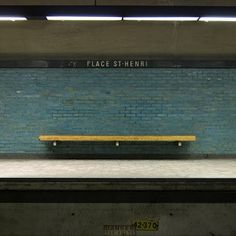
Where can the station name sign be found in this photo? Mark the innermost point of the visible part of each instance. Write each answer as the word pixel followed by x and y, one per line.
pixel 117 64
pixel 109 64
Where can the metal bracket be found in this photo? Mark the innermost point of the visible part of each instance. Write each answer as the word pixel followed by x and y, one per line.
pixel 179 144
pixel 117 144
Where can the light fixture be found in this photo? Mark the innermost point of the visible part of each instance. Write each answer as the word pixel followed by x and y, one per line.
pixel 84 18
pixel 162 18
pixel 217 19
pixel 12 18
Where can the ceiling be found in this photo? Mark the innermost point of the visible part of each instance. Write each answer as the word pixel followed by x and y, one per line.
pixel 41 12
pixel 122 2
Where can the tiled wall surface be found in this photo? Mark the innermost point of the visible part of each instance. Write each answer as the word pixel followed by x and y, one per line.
pixel 158 101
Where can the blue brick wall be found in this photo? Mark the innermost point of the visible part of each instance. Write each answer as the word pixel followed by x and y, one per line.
pixel 118 102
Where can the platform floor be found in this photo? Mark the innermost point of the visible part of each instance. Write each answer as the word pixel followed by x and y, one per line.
pixel 204 168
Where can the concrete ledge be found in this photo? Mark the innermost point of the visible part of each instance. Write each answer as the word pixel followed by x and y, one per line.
pixel 69 184
pixel 204 180
pixel 119 169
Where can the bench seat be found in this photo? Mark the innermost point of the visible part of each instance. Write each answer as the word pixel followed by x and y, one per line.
pixel 116 138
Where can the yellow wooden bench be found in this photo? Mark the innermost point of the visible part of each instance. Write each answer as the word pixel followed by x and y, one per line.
pixel 118 138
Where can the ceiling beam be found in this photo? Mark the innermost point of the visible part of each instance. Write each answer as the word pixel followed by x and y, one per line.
pixel 167 2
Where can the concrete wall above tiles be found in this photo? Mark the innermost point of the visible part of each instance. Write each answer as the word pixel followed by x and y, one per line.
pixel 43 39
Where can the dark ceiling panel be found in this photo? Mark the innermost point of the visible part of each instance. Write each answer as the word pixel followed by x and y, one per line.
pixel 39 12
pixel 166 2
pixel 48 2
pixel 122 2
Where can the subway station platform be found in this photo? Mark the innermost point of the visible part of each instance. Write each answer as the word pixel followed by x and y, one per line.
pixel 89 194
pixel 204 180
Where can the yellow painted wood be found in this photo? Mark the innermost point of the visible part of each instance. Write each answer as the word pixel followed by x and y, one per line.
pixel 128 138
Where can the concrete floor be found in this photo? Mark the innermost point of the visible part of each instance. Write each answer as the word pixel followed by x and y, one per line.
pixel 218 168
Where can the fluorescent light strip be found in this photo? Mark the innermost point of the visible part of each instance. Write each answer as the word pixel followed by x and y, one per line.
pixel 167 18
pixel 84 18
pixel 12 18
pixel 218 19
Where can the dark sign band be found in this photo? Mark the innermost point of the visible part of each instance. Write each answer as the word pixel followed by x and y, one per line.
pixel 107 63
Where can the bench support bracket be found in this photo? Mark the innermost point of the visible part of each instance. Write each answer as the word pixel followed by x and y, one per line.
pixel 179 144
